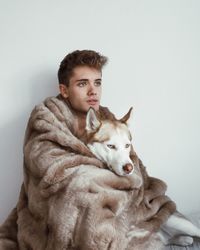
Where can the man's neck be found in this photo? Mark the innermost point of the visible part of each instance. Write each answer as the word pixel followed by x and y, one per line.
pixel 80 117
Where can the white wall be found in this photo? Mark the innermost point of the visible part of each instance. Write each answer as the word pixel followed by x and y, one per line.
pixel 154 54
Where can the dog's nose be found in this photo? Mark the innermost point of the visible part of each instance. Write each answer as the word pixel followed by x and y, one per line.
pixel 128 168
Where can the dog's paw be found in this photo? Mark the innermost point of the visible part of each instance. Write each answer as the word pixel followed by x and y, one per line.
pixel 182 240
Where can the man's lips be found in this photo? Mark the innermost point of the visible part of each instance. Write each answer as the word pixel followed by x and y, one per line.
pixel 92 102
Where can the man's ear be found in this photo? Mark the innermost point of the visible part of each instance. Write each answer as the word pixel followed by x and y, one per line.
pixel 127 117
pixel 92 122
pixel 63 90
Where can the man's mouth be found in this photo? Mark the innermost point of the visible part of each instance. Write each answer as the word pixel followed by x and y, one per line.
pixel 92 102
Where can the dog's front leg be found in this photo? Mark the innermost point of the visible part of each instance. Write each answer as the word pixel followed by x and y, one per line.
pixel 180 230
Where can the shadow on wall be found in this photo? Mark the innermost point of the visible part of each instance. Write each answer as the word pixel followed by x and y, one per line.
pixel 11 143
pixel 11 164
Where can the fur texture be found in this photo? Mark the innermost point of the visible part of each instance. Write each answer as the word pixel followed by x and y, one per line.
pixel 69 200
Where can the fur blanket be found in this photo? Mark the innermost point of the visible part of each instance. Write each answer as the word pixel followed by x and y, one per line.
pixel 69 200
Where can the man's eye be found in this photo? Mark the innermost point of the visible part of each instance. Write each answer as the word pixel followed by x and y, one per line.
pixel 98 83
pixel 127 145
pixel 81 84
pixel 111 146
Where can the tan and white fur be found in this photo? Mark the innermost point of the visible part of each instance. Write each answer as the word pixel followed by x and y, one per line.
pixel 111 142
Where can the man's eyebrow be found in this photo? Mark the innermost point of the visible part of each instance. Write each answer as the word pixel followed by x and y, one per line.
pixel 82 79
pixel 85 79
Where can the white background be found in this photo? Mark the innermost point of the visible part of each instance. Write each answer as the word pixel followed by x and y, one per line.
pixel 154 52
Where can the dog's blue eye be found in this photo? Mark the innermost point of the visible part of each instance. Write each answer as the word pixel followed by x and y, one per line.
pixel 127 145
pixel 111 146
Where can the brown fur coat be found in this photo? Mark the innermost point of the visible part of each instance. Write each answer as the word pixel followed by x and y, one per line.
pixel 68 199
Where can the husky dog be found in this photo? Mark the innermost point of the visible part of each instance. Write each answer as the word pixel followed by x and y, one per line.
pixel 110 142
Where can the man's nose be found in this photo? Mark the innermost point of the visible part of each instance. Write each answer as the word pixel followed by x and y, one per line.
pixel 91 89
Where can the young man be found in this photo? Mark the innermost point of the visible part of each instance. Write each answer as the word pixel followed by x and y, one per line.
pixel 68 200
pixel 80 78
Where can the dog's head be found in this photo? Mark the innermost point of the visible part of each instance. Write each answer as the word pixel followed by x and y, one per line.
pixel 110 141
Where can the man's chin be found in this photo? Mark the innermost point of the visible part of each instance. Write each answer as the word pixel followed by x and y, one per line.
pixel 84 110
pixel 95 107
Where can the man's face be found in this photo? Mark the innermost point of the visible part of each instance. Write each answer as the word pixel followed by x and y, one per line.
pixel 84 90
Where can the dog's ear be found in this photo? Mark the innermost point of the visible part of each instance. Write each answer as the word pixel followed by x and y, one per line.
pixel 126 118
pixel 92 122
